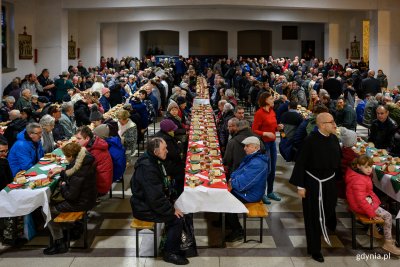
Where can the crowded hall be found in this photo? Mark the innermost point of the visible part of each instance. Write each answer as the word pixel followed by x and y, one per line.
pixel 162 133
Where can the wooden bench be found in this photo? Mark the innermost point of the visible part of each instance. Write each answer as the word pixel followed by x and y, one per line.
pixel 68 218
pixel 366 221
pixel 256 210
pixel 142 225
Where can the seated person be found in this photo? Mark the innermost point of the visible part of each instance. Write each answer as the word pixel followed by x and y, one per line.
pixel 14 127
pixel 127 131
pixel 383 129
pixel 150 199
pixel 363 200
pixel 248 182
pixel 67 120
pixel 27 150
pixel 116 149
pixel 348 139
pixel 6 176
pixel 99 149
pixel 47 122
pixel 77 187
pixel 345 115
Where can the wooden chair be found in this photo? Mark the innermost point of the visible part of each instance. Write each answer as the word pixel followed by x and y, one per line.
pixel 142 225
pixel 256 210
pixel 366 221
pixel 69 218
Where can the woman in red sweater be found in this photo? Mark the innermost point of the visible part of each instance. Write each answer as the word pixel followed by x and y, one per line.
pixel 363 200
pixel 265 126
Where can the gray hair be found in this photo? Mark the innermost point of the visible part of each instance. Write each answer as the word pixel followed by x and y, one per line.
pixel 222 102
pixel 243 124
pixel 14 114
pixel 10 99
pixel 47 120
pixel 227 107
pixel 229 92
pixel 33 125
pixel 234 120
pixel 66 106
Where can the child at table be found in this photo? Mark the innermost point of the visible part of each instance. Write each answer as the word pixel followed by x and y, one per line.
pixel 363 200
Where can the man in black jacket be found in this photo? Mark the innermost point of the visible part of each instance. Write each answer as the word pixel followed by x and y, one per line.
pixel 333 86
pixel 150 199
pixel 370 85
pixel 383 129
pixel 16 125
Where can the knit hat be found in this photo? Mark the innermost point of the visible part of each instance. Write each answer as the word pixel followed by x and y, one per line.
pixel 105 90
pixel 172 105
pixel 43 99
pixel 348 137
pixel 102 131
pixel 95 114
pixel 168 125
pixel 180 100
pixel 251 140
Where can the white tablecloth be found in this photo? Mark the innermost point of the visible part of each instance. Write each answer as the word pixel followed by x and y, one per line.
pixel 203 199
pixel 20 202
pixel 385 185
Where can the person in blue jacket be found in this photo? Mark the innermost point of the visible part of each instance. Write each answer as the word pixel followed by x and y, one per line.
pixel 27 150
pixel 248 182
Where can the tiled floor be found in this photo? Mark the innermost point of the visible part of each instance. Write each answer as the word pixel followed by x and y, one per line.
pixel 112 242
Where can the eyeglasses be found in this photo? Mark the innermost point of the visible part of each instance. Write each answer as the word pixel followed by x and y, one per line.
pixel 331 122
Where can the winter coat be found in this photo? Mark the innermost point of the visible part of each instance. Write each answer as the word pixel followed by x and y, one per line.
pixel 68 124
pixel 234 152
pixel 79 190
pixel 24 153
pixel 129 135
pixel 173 164
pixel 6 176
pixel 13 129
pixel 117 153
pixel 370 111
pixel 142 110
pixel 105 103
pixel 249 180
pixel 382 133
pixel 360 111
pixel 223 132
pixel 346 117
pixel 104 166
pixel 358 188
pixel 149 200
pixel 82 113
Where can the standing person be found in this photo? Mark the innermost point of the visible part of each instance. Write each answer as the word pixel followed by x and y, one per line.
pixel 315 174
pixel 62 85
pixel 150 199
pixel 265 126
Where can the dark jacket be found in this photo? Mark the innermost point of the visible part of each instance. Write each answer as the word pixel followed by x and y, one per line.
pixel 333 87
pixel 116 94
pixel 382 133
pixel 13 129
pixel 105 103
pixel 346 117
pixel 371 86
pixel 82 113
pixel 149 200
pixel 6 176
pixel 223 132
pixel 79 190
pixel 173 164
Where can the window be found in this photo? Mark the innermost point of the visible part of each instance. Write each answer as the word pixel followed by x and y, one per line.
pixel 289 32
pixel 3 37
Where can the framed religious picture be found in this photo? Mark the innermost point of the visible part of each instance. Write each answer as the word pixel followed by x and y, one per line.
pixel 25 45
pixel 71 49
pixel 355 49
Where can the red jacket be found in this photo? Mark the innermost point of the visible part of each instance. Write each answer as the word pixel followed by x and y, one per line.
pixel 348 155
pixel 265 122
pixel 358 187
pixel 104 167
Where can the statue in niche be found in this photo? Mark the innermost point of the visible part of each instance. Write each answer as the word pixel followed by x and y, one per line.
pixel 71 49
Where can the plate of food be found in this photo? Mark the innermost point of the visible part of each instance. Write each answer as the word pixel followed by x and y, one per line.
pixel 194 168
pixel 20 178
pixel 193 181
pixel 49 157
pixel 215 172
pixel 40 183
pixel 195 149
pixel 195 158
pixel 213 152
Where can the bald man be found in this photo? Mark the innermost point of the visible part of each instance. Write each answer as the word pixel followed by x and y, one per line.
pixel 25 100
pixel 315 174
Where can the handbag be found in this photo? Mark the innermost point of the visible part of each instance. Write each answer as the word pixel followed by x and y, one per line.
pixel 188 244
pixel 56 196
